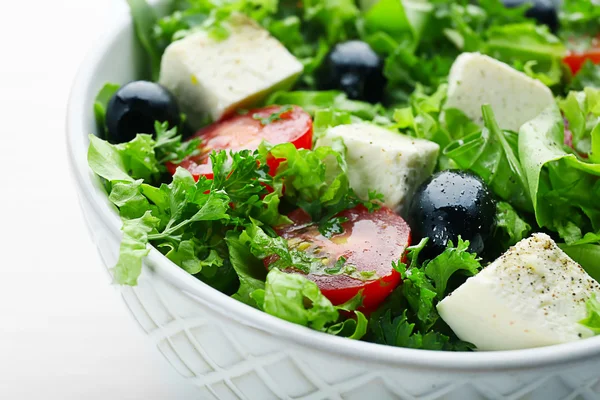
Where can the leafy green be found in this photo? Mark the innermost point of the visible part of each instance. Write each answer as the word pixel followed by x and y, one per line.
pixel 422 118
pixel 582 111
pixel 579 18
pixel 141 158
pixel 296 299
pixel 587 77
pixel 563 187
pixel 106 160
pixel 492 154
pixel 524 42
pixel 316 180
pixel 250 270
pixel 313 101
pixel 101 104
pixel 408 318
pixel 400 332
pixel 144 20
pixel 335 17
pixel 453 259
pixel 592 321
pixel 134 247
pixel 276 116
pixel 510 227
pixel 586 255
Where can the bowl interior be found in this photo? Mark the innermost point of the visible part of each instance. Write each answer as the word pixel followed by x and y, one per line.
pixel 117 57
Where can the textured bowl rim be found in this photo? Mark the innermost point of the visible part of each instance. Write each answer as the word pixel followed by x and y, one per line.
pixel 91 191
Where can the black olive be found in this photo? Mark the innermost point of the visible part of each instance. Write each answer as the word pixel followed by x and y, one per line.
pixel 543 11
pixel 354 68
pixel 452 204
pixel 136 107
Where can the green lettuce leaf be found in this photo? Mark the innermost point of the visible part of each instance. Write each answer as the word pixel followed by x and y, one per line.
pixel 101 104
pixel 592 321
pixel 250 270
pixel 134 247
pixel 296 299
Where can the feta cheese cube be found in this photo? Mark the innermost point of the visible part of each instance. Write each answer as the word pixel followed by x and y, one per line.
pixel 534 295
pixel 385 161
pixel 476 79
pixel 215 77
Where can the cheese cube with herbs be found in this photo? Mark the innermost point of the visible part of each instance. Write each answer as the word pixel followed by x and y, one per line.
pixel 476 79
pixel 534 295
pixel 212 77
pixel 385 161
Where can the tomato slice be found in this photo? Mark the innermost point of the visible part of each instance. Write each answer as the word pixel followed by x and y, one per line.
pixel 246 132
pixel 575 60
pixel 370 243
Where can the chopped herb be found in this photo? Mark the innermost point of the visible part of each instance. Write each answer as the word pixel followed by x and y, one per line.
pixel 276 116
pixel 338 266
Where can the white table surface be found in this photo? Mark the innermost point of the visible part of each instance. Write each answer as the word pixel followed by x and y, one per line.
pixel 64 331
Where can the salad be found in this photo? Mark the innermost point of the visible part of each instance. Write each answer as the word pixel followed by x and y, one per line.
pixel 420 174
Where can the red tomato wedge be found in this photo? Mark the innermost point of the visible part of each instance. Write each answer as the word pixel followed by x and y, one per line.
pixel 246 132
pixel 370 243
pixel 575 60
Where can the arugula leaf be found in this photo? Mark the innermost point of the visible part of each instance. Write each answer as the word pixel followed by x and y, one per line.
pixel 101 104
pixel 134 247
pixel 509 225
pixel 592 321
pixel 493 155
pixel 563 187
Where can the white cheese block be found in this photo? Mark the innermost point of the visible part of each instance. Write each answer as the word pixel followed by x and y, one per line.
pixel 385 161
pixel 215 77
pixel 534 295
pixel 476 79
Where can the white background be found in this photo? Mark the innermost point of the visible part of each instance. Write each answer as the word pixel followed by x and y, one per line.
pixel 64 331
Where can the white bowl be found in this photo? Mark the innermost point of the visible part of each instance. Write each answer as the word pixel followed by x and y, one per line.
pixel 232 351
